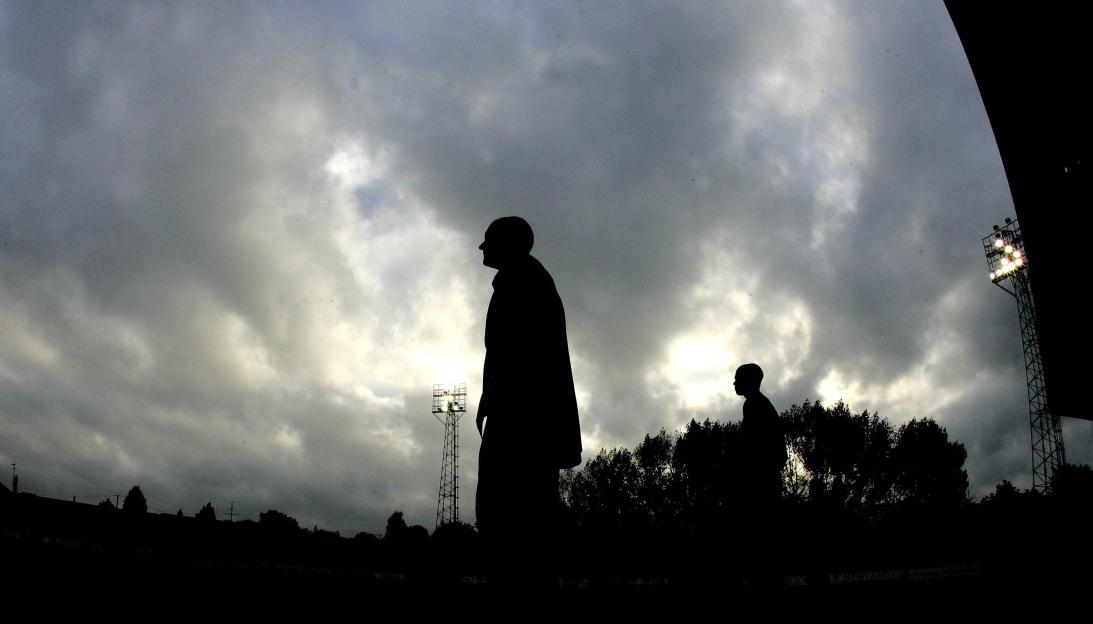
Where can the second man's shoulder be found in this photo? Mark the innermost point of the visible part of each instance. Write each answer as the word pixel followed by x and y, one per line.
pixel 759 404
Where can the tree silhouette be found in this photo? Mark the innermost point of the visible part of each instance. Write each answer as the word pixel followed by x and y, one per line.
pixel 929 469
pixel 365 537
pixel 207 513
pixel 457 532
pixel 837 457
pixel 396 527
pixel 454 547
pixel 710 459
pixel 106 503
pixel 660 484
pixel 324 534
pixel 417 534
pixel 604 492
pixel 1004 493
pixel 134 501
pixel 277 522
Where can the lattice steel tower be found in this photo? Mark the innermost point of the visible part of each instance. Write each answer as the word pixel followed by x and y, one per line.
pixel 451 401
pixel 1006 261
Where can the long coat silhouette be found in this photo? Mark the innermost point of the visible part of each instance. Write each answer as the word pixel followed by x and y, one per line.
pixel 532 427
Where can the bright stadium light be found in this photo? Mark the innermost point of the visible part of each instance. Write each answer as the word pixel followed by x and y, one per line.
pixel 1005 253
pixel 1008 266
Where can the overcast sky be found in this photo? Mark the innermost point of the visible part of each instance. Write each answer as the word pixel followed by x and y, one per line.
pixel 238 241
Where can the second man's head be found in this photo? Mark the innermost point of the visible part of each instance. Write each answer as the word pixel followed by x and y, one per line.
pixel 748 378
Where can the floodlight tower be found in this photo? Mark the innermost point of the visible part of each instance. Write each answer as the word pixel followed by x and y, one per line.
pixel 452 402
pixel 1006 261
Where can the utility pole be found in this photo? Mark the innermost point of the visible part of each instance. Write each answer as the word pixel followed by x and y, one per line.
pixel 231 512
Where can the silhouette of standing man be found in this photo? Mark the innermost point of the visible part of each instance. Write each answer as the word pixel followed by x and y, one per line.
pixel 764 457
pixel 527 415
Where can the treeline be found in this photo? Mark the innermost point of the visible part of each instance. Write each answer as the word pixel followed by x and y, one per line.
pixel 858 494
pixel 858 463
pixel 57 539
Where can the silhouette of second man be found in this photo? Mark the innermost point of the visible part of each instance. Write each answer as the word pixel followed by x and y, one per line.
pixel 764 458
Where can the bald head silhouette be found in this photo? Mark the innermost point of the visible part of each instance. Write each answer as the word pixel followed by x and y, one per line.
pixel 507 239
pixel 748 378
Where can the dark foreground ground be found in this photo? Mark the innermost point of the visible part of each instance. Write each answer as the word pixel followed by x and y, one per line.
pixel 50 578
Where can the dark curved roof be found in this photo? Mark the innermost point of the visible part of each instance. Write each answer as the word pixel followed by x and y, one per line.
pixel 1029 61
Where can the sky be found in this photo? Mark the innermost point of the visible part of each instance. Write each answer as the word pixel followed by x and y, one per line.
pixel 238 241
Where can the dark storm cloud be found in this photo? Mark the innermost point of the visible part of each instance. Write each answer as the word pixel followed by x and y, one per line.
pixel 238 242
pixel 608 130
pixel 171 270
pixel 628 138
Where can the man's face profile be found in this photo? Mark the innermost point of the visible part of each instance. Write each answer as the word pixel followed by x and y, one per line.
pixel 490 250
pixel 747 380
pixel 507 239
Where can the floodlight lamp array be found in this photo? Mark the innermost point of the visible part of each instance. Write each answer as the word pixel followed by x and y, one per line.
pixel 449 398
pixel 1005 253
pixel 1010 260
